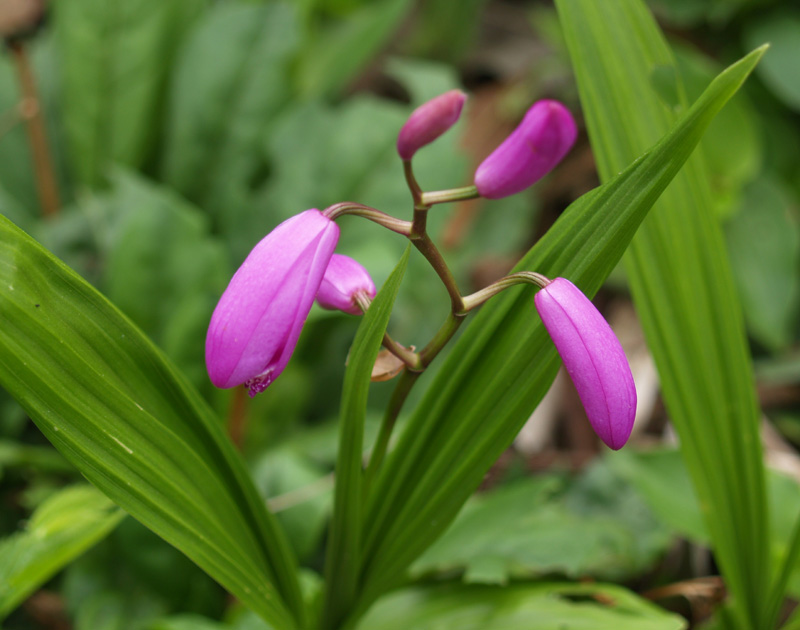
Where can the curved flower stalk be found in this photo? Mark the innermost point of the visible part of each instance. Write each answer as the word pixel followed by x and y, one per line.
pixel 429 121
pixel 593 357
pixel 256 324
pixel 344 279
pixel 533 149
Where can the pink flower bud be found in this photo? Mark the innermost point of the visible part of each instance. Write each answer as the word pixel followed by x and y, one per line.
pixel 343 279
pixel 258 319
pixel 593 357
pixel 532 150
pixel 429 121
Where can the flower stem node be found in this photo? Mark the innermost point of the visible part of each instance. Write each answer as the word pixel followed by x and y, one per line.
pixel 343 280
pixel 429 121
pixel 533 149
pixel 257 322
pixel 593 357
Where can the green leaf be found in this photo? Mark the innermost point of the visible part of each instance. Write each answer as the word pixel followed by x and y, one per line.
pixel 597 526
pixel 544 606
pixel 504 362
pixel 343 559
pixel 682 285
pixel 117 410
pixel 61 529
pixel 114 60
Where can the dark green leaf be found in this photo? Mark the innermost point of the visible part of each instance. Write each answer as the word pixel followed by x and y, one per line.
pixel 116 408
pixel 343 559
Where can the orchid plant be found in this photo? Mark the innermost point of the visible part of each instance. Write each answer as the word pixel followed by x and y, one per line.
pixel 131 422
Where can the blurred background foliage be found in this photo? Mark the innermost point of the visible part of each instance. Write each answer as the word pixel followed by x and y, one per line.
pixel 181 132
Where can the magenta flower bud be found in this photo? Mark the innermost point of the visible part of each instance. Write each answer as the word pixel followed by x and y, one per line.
pixel 429 121
pixel 533 149
pixel 343 279
pixel 258 319
pixel 593 357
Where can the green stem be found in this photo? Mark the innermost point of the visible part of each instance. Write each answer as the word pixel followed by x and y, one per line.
pixel 398 399
pixel 446 196
pixel 426 247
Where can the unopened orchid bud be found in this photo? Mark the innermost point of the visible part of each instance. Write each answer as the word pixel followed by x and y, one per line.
pixel 256 324
pixel 533 149
pixel 593 357
pixel 344 279
pixel 429 121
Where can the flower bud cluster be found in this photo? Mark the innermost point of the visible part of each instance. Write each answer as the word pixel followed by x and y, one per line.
pixel 257 322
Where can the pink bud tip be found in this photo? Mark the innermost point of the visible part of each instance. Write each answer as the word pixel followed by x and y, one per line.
pixel 533 149
pixel 429 121
pixel 256 324
pixel 593 357
pixel 343 279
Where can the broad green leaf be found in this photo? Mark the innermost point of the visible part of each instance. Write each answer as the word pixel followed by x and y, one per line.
pixel 544 606
pixel 682 285
pixel 61 529
pixel 334 55
pixel 779 70
pixel 764 246
pixel 504 362
pixel 596 526
pixel 343 558
pixel 114 62
pixel 114 406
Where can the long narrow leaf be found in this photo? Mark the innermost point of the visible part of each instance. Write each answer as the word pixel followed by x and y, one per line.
pixel 344 541
pixel 504 363
pixel 114 406
pixel 683 288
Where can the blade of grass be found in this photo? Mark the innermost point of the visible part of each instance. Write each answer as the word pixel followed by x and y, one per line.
pixel 343 559
pixel 682 285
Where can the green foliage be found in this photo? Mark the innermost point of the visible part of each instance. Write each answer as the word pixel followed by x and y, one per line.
pixel 118 410
pixel 596 526
pixel 550 606
pixel 503 364
pixel 60 530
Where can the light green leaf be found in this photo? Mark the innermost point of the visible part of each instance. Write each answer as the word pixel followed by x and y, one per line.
pixel 504 362
pixel 117 410
pixel 544 606
pixel 343 558
pixel 683 288
pixel 596 526
pixel 62 528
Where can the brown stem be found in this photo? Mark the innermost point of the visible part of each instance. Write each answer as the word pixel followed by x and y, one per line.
pixel 46 185
pixel 237 417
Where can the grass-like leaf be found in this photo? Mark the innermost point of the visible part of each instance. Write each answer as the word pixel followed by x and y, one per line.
pixel 114 406
pixel 344 541
pixel 683 288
